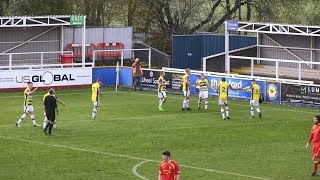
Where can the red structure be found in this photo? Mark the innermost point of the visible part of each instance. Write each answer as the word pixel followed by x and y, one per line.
pixel 77 50
pixel 110 46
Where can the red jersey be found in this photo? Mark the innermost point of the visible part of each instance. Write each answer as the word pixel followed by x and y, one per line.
pixel 315 134
pixel 169 171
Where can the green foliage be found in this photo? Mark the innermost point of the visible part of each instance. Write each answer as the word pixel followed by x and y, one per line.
pixel 167 17
pixel 129 124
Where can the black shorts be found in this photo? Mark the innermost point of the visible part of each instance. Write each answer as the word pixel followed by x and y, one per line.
pixel 51 116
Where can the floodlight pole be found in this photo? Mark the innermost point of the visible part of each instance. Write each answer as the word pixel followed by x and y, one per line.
pixel 84 42
pixel 226 48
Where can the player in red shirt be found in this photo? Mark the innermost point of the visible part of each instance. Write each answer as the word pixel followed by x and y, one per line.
pixel 315 137
pixel 169 169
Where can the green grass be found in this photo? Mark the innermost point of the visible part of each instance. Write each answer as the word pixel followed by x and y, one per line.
pixel 129 129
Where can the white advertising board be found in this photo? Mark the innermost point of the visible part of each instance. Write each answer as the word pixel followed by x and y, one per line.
pixel 45 77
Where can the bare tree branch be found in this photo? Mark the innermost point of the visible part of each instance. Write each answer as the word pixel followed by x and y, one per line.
pixel 208 19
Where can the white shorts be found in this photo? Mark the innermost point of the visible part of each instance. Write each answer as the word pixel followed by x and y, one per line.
pixel 162 94
pixel 28 109
pixel 96 103
pixel 203 95
pixel 220 103
pixel 254 103
pixel 186 93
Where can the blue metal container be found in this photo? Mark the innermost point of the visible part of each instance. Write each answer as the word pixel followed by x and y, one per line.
pixel 188 50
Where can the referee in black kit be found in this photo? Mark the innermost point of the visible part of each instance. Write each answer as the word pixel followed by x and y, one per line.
pixel 50 105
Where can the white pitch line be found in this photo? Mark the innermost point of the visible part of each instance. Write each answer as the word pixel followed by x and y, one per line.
pixel 135 172
pixel 130 157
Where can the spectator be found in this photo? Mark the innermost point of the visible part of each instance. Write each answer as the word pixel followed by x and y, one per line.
pixel 137 74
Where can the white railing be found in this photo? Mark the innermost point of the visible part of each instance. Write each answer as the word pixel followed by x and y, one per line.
pixel 66 65
pixel 290 81
pixel 276 61
pixel 205 59
pixel 36 56
pixel 94 58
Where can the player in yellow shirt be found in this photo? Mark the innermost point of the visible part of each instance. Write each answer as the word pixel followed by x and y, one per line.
pixel 223 89
pixel 95 97
pixel 162 95
pixel 203 86
pixel 45 120
pixel 186 90
pixel 28 107
pixel 255 97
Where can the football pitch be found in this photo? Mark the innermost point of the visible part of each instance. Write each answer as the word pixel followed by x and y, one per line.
pixel 129 134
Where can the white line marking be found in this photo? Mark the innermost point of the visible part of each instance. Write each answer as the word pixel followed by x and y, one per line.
pixel 129 157
pixel 135 172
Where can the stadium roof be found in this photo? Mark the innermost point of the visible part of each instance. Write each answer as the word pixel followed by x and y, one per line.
pixel 274 28
pixel 36 21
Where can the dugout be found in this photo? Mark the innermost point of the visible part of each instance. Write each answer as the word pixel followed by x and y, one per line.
pixel 282 51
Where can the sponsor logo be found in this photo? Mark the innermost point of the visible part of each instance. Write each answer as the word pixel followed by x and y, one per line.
pixel 311 90
pixel 46 78
pixel 272 91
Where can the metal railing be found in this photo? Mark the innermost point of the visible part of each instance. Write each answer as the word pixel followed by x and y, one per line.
pixel 66 65
pixel 276 61
pixel 95 53
pixel 35 56
pixel 205 59
pixel 290 81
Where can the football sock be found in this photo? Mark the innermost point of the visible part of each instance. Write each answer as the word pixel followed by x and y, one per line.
pixel 199 103
pixel 54 125
pixel 227 111
pixel 33 120
pixel 21 118
pixel 160 102
pixel 163 101
pixel 50 128
pixel 45 122
pixel 315 167
pixel 184 104
pixel 206 105
pixel 48 124
pixel 187 104
pixel 258 109
pixel 222 113
pixel 94 112
pixel 252 111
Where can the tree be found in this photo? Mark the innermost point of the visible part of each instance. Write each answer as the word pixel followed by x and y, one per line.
pixel 3 5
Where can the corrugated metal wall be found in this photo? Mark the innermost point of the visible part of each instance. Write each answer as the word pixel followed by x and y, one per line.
pixel 12 37
pixel 188 50
pixel 100 35
pixel 289 41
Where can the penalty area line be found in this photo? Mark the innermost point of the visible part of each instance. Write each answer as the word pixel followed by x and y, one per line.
pixel 129 157
pixel 135 172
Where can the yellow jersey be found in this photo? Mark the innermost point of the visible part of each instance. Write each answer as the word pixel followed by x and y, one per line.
pixel 185 80
pixel 161 80
pixel 27 98
pixel 95 92
pixel 44 96
pixel 203 85
pixel 223 88
pixel 255 92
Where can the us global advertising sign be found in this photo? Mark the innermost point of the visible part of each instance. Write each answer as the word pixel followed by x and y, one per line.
pixel 45 77
pixel 234 82
pixel 306 94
